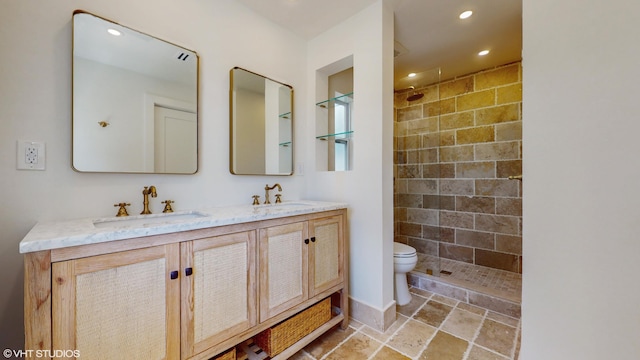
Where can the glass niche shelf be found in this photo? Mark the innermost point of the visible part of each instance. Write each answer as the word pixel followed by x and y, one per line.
pixel 344 99
pixel 341 135
pixel 339 109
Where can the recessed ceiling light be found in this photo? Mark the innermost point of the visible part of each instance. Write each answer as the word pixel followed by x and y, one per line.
pixel 465 14
pixel 114 32
pixel 412 75
pixel 483 52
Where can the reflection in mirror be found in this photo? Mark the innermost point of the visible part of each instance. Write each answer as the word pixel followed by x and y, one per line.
pixel 135 101
pixel 261 125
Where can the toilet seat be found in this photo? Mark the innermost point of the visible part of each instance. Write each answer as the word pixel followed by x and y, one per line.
pixel 403 251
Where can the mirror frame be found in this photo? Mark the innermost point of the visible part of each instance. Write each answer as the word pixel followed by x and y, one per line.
pixel 232 129
pixel 172 103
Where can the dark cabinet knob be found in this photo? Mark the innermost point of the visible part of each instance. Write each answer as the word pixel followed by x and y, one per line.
pixel 188 271
pixel 306 241
pixel 313 239
pixel 174 275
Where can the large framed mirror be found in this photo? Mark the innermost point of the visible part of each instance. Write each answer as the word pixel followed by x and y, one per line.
pixel 135 101
pixel 261 114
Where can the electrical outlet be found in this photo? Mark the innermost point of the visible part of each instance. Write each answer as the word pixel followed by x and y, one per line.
pixel 30 155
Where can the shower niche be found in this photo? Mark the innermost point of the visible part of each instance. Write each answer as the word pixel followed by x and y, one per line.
pixel 334 113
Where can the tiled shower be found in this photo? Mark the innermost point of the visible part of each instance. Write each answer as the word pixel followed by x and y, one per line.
pixel 455 149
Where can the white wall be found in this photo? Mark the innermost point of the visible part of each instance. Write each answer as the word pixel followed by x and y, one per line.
pixel 368 188
pixel 35 104
pixel 581 298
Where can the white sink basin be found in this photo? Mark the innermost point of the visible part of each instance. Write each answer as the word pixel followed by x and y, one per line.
pixel 146 220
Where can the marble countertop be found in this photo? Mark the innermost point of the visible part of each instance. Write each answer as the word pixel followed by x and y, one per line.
pixel 61 234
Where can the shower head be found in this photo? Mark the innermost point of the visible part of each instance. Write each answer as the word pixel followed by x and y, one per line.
pixel 415 96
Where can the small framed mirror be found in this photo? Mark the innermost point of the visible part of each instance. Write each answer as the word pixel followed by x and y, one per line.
pixel 135 101
pixel 261 116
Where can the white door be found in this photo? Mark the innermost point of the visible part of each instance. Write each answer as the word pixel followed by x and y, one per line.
pixel 176 140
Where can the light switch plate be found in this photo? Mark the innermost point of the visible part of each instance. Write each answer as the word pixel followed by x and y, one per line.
pixel 30 155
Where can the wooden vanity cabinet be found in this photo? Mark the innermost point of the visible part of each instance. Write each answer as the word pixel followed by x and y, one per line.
pixel 125 298
pixel 187 295
pixel 299 261
pixel 219 294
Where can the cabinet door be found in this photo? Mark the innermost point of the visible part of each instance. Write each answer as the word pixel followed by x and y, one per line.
pixel 120 305
pixel 283 268
pixel 218 289
pixel 326 254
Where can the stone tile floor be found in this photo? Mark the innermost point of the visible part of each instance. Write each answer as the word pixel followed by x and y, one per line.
pixel 431 326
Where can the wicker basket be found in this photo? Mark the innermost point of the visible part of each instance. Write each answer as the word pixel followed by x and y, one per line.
pixel 227 355
pixel 279 337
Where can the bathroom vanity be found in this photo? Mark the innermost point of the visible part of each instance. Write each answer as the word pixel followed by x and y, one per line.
pixel 186 285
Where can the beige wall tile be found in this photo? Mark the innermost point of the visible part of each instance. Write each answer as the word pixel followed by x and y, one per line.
pixel 441 171
pixel 509 150
pixel 457 187
pixel 437 108
pixel 456 252
pixel 409 229
pixel 431 140
pixel 498 114
pixel 409 113
pixel 423 216
pixel 509 94
pixel 504 169
pixel 457 120
pixel 509 131
pixel 475 135
pixel 447 138
pixel 497 223
pixel 456 87
pixel 422 125
pixel 476 170
pixel 476 100
pixel 497 187
pixel 509 206
pixel 476 239
pixel 457 153
pixel 497 260
pixel 422 186
pixel 500 76
pixel 476 204
pixel 509 243
pixel 455 219
pixel 408 142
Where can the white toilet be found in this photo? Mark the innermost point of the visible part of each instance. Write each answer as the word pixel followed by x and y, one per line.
pixel 405 259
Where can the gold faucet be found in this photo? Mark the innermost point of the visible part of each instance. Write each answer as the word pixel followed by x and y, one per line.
pixel 148 190
pixel 266 192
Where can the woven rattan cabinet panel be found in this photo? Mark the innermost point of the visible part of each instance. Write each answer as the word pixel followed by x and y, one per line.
pixel 283 268
pixel 299 261
pixel 326 254
pixel 125 298
pixel 219 291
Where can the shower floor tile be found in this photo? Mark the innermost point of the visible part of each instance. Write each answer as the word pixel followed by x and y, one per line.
pixel 475 276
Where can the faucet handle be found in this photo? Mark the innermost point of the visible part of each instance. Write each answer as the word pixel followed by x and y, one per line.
pixel 278 200
pixel 122 211
pixel 256 199
pixel 167 206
